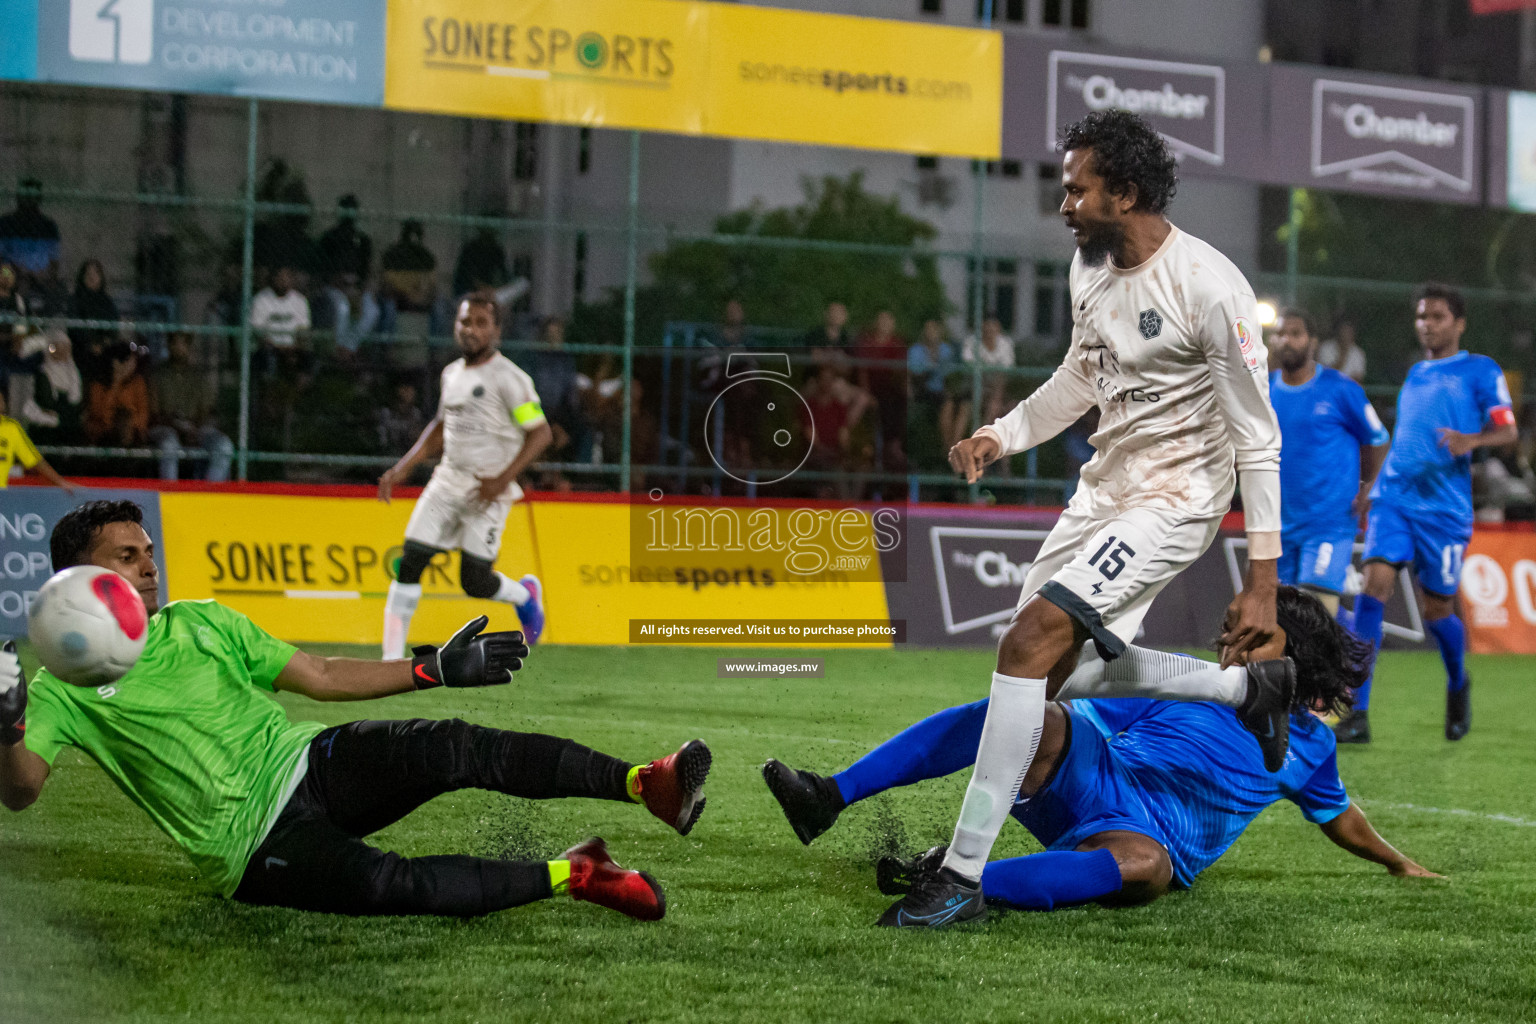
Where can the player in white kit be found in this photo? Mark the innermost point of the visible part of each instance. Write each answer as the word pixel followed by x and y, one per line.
pixel 1166 342
pixel 489 427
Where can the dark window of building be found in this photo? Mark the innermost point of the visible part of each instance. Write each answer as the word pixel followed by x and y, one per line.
pixel 522 266
pixel 579 279
pixel 525 151
pixel 927 163
pixel 1013 11
pixel 1049 180
pixel 1064 13
pixel 999 291
pixel 930 6
pixel 584 151
pixel 1005 168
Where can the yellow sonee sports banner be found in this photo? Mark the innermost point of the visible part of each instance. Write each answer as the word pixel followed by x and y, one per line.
pixel 311 569
pixel 316 569
pixel 841 81
pixel 700 68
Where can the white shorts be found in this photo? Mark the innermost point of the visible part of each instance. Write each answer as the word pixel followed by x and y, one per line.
pixel 448 515
pixel 1105 572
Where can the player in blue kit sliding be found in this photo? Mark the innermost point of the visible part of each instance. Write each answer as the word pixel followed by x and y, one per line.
pixel 1331 447
pixel 1129 797
pixel 1421 507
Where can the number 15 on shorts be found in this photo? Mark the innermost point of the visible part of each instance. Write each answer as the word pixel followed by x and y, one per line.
pixel 1111 556
pixel 1109 565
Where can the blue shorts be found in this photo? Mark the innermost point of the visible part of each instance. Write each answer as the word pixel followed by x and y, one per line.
pixel 1092 791
pixel 1319 560
pixel 1433 544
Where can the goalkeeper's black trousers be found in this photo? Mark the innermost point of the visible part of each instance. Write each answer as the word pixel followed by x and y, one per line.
pixel 363 776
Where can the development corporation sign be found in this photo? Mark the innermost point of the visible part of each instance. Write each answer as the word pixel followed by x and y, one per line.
pixel 325 51
pixel 1370 136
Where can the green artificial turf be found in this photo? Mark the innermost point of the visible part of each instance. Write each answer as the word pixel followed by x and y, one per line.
pixel 101 919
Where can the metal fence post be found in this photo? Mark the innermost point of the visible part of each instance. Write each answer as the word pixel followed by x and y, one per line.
pixel 631 245
pixel 1293 247
pixel 247 273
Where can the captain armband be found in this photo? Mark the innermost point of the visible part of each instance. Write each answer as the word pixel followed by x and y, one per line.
pixel 529 414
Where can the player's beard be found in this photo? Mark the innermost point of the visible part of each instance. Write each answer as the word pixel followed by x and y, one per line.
pixel 1098 243
pixel 1291 360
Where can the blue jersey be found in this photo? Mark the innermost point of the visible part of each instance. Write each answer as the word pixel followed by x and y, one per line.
pixel 1460 392
pixel 1323 425
pixel 1201 777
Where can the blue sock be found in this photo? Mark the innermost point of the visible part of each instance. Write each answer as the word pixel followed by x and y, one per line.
pixel 939 745
pixel 1451 636
pixel 1368 613
pixel 1045 880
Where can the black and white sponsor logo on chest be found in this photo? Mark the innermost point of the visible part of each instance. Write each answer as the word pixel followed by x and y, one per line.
pixel 1186 103
pixel 1381 135
pixel 1117 383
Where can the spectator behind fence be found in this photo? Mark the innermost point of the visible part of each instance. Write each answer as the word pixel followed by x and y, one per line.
pixel 58 392
pixel 828 338
pixel 91 302
pixel 1342 352
pixel 47 294
pixel 14 365
pixel 117 412
pixel 29 238
pixel 18 454
pixel 994 352
pixel 930 362
pixel 482 264
pixel 410 288
pixel 400 422
pixel 354 315
pixel 726 339
pixel 887 383
pixel 344 249
pixel 836 408
pixel 12 303
pixel 561 390
pixel 280 313
pixel 183 396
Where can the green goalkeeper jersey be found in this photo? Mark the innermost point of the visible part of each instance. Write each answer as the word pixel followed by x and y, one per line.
pixel 188 733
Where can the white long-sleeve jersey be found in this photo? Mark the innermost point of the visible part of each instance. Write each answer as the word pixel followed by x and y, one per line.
pixel 1171 353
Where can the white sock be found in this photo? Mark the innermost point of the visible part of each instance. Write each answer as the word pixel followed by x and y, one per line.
pixel 510 591
pixel 399 606
pixel 1015 718
pixel 1156 675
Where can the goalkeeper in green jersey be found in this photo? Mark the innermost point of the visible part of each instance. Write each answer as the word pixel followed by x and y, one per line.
pixel 275 812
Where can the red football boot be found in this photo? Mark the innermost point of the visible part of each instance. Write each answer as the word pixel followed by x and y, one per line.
pixel 595 878
pixel 672 787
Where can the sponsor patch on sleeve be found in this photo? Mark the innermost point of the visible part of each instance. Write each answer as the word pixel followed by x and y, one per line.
pixel 1247 341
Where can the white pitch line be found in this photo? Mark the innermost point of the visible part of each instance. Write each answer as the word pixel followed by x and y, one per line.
pixel 743 729
pixel 1504 819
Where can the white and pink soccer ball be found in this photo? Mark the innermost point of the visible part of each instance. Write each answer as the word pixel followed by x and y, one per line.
pixel 88 625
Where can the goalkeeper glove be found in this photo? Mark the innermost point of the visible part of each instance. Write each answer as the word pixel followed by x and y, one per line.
pixel 13 696
pixel 469 658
